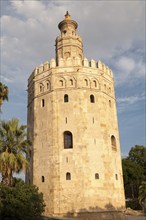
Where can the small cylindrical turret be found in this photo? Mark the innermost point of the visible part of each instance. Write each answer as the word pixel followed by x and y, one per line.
pixel 69 44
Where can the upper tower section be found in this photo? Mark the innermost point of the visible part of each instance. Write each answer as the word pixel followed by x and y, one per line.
pixel 68 44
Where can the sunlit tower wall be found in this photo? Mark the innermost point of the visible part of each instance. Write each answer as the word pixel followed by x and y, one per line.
pixel 72 120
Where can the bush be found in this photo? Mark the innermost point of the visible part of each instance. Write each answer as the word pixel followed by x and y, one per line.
pixel 21 202
pixel 133 204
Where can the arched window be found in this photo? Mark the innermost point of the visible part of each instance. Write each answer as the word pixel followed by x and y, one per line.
pixel 61 83
pixel 68 140
pixel 113 141
pixel 109 90
pixel 68 176
pixel 96 176
pixel 116 176
pixel 43 179
pixel 94 83
pixel 43 103
pixel 110 104
pixel 66 98
pixel 71 82
pixel 48 85
pixel 41 88
pixel 67 54
pixel 92 100
pixel 86 82
pixel 105 87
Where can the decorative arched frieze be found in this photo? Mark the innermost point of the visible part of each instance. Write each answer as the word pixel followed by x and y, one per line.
pixel 41 87
pixel 48 85
pixel 60 82
pixel 71 82
pixel 95 84
pixel 86 82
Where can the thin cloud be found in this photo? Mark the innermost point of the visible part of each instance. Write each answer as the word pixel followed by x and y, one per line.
pixel 131 99
pixel 131 103
pixel 117 36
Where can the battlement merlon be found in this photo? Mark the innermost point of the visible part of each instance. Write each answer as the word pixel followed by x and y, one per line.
pixel 77 62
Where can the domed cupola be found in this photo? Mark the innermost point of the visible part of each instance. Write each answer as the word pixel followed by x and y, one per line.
pixel 69 44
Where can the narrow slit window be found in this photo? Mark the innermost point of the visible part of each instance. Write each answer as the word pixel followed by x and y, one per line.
pixel 110 104
pixel 67 159
pixel 66 99
pixel 43 179
pixel 116 176
pixel 68 176
pixel 96 176
pixel 92 99
pixel 43 102
pixel 113 141
pixel 66 120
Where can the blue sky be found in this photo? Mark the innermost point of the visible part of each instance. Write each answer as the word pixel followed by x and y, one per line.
pixel 112 31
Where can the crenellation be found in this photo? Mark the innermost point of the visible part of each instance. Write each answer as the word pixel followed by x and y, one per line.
pixel 73 121
pixel 111 72
pixel 36 71
pixel 99 65
pixel 104 68
pixel 46 66
pixel 107 70
pixel 53 63
pixel 85 62
pixel 92 63
pixel 41 68
pixel 78 61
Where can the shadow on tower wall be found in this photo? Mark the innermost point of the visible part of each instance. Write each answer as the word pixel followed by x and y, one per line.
pixel 93 213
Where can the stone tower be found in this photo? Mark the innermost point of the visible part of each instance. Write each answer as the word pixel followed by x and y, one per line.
pixel 72 120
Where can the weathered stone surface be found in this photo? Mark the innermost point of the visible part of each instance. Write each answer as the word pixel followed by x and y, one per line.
pixel 94 162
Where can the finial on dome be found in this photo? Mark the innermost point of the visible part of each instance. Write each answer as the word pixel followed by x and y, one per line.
pixel 67 16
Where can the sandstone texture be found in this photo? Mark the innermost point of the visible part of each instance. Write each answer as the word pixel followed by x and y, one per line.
pixel 72 121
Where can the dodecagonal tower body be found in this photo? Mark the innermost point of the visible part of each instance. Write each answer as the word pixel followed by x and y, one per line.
pixel 72 120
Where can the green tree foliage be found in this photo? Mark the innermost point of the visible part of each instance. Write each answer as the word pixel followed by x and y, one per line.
pixel 3 94
pixel 21 202
pixel 142 192
pixel 14 147
pixel 142 195
pixel 134 172
pixel 137 154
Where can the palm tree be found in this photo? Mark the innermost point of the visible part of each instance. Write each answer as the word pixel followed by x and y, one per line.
pixel 3 94
pixel 14 147
pixel 142 195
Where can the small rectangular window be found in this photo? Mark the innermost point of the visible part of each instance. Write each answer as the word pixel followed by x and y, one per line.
pixel 43 179
pixel 68 176
pixel 43 103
